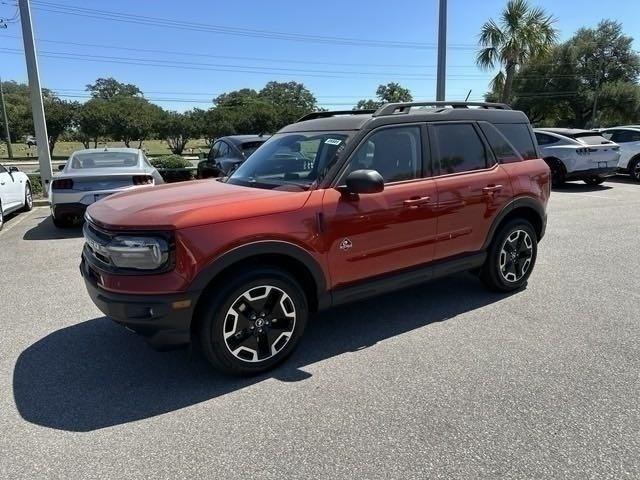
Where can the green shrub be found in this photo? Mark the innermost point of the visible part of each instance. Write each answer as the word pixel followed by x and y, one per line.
pixel 169 167
pixel 36 183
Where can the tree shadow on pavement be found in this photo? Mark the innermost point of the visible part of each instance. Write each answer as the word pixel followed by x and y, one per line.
pixel 46 230
pixel 96 374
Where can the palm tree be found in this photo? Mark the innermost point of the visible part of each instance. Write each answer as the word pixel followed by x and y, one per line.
pixel 521 33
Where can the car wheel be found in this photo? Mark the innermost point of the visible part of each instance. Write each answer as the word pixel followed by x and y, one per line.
pixel 511 257
pixel 594 180
pixel 254 322
pixel 558 175
pixel 634 169
pixel 28 199
pixel 1 217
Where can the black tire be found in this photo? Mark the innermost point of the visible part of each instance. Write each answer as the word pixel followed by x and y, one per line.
pixel 1 217
pixel 28 199
pixel 594 181
pixel 558 173
pixel 218 316
pixel 634 169
pixel 63 222
pixel 493 271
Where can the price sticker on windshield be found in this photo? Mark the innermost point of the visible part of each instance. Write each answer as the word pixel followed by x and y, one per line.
pixel 333 141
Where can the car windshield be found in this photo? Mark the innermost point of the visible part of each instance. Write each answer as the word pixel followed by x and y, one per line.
pixel 249 147
pixel 81 161
pixel 291 161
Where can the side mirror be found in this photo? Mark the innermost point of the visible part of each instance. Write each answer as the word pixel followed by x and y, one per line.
pixel 13 169
pixel 364 181
pixel 61 167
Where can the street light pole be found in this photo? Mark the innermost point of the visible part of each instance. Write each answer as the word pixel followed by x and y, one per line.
pixel 442 51
pixel 37 106
pixel 6 121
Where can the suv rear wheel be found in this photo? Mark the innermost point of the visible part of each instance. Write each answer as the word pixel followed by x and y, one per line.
pixel 511 257
pixel 254 322
pixel 634 169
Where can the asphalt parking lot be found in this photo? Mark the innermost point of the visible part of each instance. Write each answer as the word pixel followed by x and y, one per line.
pixel 444 380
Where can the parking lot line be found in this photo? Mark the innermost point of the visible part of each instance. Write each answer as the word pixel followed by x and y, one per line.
pixel 17 221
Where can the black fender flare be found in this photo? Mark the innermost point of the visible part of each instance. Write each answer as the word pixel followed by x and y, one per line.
pixel 261 247
pixel 519 202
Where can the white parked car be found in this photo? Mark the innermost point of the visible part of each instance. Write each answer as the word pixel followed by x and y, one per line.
pixel 15 192
pixel 574 154
pixel 628 137
pixel 92 174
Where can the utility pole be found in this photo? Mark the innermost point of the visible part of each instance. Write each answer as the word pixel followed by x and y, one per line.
pixel 6 121
pixel 442 51
pixel 37 106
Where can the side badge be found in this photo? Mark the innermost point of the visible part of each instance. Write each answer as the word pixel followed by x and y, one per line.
pixel 345 244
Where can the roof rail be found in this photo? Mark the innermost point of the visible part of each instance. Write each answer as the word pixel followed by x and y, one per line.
pixel 314 115
pixel 405 107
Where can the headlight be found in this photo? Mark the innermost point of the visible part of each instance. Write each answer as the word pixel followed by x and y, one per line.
pixel 142 253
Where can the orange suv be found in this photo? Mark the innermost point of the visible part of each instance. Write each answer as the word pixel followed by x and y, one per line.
pixel 336 207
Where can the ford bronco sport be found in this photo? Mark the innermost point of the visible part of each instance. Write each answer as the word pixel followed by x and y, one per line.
pixel 336 207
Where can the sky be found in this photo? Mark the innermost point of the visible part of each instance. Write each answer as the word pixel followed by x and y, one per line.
pixel 183 53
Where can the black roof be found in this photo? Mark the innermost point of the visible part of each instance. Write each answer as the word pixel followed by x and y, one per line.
pixel 240 139
pixel 391 114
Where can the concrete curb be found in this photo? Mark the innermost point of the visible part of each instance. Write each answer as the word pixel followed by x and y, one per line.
pixel 40 203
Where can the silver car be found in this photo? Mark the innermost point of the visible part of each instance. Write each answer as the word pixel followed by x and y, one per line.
pixel 92 174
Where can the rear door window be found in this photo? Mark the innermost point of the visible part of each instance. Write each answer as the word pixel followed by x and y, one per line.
pixel 520 137
pixel 502 149
pixel 622 136
pixel 544 139
pixel 459 148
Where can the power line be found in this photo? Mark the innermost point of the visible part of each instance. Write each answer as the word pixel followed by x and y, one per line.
pixel 232 68
pixel 234 31
pixel 236 57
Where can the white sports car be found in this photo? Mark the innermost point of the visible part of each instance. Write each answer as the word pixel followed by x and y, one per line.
pixel 628 138
pixel 15 192
pixel 92 174
pixel 574 154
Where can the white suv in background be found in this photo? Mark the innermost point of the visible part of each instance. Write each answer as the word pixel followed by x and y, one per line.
pixel 628 137
pixel 574 154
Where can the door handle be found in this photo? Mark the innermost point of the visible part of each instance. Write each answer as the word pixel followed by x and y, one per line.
pixel 491 189
pixel 416 201
pixel 1 183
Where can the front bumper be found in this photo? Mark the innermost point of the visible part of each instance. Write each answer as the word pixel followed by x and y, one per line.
pixel 592 172
pixel 163 320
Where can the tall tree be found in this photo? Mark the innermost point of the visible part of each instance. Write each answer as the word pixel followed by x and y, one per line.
pixel 521 33
pixel 595 71
pixel 132 118
pixel 60 115
pixel 291 100
pixel 390 93
pixel 177 128
pixel 93 121
pixel 108 88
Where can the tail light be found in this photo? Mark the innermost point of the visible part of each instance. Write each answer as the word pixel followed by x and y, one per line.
pixel 142 180
pixel 62 184
pixel 583 151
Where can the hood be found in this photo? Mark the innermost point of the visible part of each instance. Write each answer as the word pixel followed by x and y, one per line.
pixel 188 204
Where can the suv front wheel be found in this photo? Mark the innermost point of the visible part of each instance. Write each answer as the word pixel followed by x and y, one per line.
pixel 254 322
pixel 511 257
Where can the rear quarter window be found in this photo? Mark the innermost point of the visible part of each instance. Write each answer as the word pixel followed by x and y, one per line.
pixel 519 135
pixel 502 149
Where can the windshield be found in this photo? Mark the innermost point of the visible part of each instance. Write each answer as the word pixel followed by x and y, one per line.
pixel 249 147
pixel 104 160
pixel 291 161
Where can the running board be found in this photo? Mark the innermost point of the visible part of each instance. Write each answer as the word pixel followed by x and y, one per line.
pixel 406 278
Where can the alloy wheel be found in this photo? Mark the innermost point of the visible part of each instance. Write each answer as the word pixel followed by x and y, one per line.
pixel 28 197
pixel 635 172
pixel 515 256
pixel 259 323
